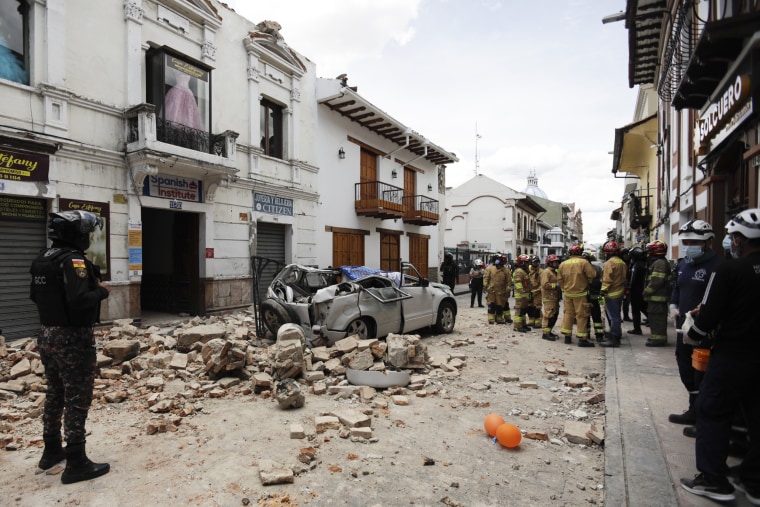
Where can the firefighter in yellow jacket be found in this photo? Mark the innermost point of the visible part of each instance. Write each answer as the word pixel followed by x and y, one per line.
pixel 550 293
pixel 657 293
pixel 523 295
pixel 573 276
pixel 534 273
pixel 614 280
pixel 497 283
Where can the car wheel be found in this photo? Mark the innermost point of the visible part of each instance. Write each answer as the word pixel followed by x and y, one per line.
pixel 274 315
pixel 359 327
pixel 447 316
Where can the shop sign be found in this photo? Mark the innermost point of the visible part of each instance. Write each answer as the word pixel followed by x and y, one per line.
pixel 725 113
pixel 266 203
pixel 480 246
pixel 23 208
pixel 173 187
pixel 99 251
pixel 19 165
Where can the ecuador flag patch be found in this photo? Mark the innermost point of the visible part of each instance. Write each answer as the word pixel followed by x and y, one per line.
pixel 80 268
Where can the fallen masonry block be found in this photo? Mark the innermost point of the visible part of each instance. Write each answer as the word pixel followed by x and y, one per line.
pixel 179 361
pixel 365 433
pixel 400 400
pixel 406 351
pixel 121 350
pixel 595 398
pixel 575 382
pixel 352 418
pixel 186 338
pixel 529 385
pixel 577 432
pixel 21 368
pixel 596 434
pixel 274 473
pixel 323 423
pixel 297 431
pixel 288 394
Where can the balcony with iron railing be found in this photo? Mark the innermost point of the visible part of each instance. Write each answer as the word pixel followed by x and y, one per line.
pixel 155 145
pixel 699 53
pixel 145 128
pixel 530 237
pixel 378 200
pixel 420 210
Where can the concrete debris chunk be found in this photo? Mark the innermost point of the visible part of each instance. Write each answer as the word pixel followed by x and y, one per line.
pixel 186 338
pixel 288 394
pixel 406 351
pixel 274 473
pixel 121 350
pixel 323 423
pixel 21 368
pixel 576 432
pixel 352 418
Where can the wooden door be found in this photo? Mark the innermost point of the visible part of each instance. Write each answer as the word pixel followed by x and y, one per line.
pixel 418 254
pixel 390 252
pixel 368 176
pixel 410 188
pixel 348 249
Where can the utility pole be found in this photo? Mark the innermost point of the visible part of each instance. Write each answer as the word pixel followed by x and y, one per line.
pixel 477 160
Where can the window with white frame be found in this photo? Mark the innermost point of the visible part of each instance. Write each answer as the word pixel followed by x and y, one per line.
pixel 14 41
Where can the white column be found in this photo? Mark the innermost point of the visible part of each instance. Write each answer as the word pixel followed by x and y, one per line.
pixel 134 56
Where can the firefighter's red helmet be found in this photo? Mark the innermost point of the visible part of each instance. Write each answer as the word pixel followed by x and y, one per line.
pixel 552 258
pixel 575 249
pixel 611 248
pixel 522 260
pixel 657 248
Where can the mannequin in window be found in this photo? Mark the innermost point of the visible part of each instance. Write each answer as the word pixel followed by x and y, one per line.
pixel 180 103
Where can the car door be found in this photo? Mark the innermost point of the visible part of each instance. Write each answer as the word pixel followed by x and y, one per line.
pixel 420 309
pixel 384 306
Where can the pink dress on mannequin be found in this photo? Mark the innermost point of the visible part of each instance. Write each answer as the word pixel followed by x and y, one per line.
pixel 180 103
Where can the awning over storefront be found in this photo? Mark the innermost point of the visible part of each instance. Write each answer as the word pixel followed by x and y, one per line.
pixel 635 146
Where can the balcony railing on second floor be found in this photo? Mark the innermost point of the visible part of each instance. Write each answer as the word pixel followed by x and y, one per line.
pixel 530 237
pixel 420 210
pixel 144 127
pixel 378 200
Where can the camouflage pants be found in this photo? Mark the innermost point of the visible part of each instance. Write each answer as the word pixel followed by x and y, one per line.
pixel 68 354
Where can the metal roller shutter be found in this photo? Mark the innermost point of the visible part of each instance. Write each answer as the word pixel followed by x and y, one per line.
pixel 270 243
pixel 21 242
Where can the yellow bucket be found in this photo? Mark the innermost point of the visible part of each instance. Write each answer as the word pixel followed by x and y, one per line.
pixel 699 359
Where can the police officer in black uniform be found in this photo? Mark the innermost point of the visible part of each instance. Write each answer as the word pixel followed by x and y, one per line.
pixel 729 309
pixel 67 289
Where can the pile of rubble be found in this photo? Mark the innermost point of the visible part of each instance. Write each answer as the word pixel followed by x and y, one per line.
pixel 169 370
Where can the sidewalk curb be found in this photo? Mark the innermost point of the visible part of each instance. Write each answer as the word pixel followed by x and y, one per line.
pixel 635 471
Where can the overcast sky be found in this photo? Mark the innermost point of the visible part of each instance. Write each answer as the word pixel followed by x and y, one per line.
pixel 545 82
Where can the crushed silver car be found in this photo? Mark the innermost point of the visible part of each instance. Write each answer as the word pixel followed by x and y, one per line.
pixel 329 305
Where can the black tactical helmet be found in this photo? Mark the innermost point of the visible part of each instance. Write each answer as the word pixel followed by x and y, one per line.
pixel 73 227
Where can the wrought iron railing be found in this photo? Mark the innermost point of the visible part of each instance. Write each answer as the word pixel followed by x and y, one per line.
pixel 373 191
pixel 182 135
pixel 421 203
pixel 677 54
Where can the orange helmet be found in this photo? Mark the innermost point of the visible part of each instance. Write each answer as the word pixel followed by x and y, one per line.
pixel 657 248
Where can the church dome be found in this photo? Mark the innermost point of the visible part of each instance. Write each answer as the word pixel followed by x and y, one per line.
pixel 532 188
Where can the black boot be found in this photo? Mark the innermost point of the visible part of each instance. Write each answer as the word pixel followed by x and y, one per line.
pixel 53 453
pixel 611 341
pixel 79 467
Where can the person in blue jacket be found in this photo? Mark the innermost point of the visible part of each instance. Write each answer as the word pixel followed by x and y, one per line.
pixel 694 270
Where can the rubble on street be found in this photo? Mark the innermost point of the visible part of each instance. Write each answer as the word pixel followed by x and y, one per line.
pixel 170 374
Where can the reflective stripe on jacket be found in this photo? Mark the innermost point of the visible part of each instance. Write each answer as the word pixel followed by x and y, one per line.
pixel 573 276
pixel 614 277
